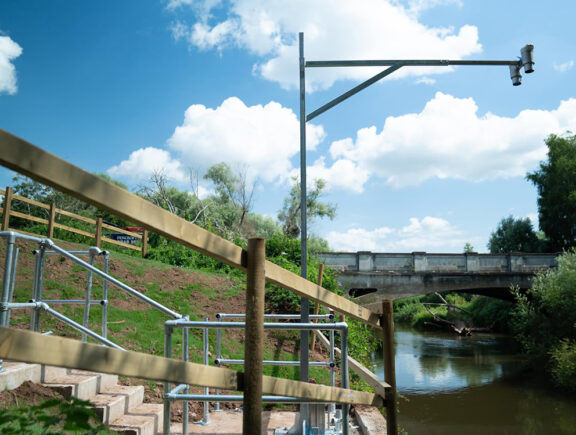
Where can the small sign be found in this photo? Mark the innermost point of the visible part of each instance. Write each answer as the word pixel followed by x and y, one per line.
pixel 124 238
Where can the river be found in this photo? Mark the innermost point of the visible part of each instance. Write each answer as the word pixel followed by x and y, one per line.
pixel 472 386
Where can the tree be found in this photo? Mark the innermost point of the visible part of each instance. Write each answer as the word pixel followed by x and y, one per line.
pixel 289 216
pixel 468 248
pixel 556 184
pixel 544 320
pixel 232 188
pixel 514 235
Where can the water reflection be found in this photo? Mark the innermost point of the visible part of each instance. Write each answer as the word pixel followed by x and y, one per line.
pixel 451 385
pixel 432 362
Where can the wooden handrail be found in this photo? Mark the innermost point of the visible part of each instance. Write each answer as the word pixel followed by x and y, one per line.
pixel 37 348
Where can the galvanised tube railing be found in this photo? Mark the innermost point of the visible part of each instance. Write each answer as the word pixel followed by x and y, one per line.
pixel 46 246
pixel 44 306
pixel 224 361
pixel 232 397
pixel 116 282
pixel 174 394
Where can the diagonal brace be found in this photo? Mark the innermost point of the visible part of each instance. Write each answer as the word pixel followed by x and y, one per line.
pixel 352 91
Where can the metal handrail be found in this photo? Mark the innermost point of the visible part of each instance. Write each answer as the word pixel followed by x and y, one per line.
pixel 180 392
pixel 47 246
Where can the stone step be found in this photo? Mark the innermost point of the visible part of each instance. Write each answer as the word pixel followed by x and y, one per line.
pixel 82 387
pixel 113 402
pixel 15 374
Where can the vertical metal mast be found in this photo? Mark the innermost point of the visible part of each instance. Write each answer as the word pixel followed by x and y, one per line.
pixel 304 303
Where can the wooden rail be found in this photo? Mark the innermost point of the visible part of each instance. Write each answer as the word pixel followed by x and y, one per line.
pixel 98 236
pixel 37 348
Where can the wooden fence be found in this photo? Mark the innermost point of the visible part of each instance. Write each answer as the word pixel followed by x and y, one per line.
pixel 51 222
pixel 48 169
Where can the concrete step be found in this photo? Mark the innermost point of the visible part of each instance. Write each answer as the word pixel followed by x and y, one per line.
pixel 154 410
pixel 15 374
pixel 104 380
pixel 134 425
pixel 115 401
pixel 82 387
pixel 49 373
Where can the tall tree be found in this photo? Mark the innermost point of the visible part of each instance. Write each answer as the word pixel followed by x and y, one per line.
pixel 556 184
pixel 289 216
pixel 514 235
pixel 232 188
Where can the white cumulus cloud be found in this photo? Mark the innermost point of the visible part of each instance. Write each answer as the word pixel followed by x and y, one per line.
pixel 9 50
pixel 142 163
pixel 429 234
pixel 449 139
pixel 261 138
pixel 334 29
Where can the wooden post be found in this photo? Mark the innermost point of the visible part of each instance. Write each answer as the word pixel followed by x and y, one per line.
pixel 51 220
pixel 255 281
pixel 144 243
pixel 316 305
pixel 6 211
pixel 99 232
pixel 387 323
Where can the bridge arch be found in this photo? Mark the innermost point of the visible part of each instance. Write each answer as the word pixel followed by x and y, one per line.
pixel 371 277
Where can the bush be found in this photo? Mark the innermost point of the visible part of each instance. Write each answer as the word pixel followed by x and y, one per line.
pixel 489 312
pixel 563 365
pixel 54 416
pixel 544 319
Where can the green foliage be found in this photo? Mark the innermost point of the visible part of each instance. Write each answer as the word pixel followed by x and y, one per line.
pixel 468 247
pixel 422 318
pixel 286 252
pixel 289 216
pixel 176 254
pixel 564 364
pixel 362 342
pixel 491 313
pixel 544 320
pixel 556 184
pixel 406 309
pixel 514 235
pixel 52 417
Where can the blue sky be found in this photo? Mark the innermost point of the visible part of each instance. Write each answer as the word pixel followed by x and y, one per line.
pixel 426 160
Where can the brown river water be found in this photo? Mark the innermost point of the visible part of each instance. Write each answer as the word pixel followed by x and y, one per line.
pixel 472 386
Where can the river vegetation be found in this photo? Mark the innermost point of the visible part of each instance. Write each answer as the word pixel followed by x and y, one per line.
pixel 544 322
pixel 460 311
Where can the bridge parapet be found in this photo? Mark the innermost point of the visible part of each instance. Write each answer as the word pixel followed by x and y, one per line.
pixel 366 261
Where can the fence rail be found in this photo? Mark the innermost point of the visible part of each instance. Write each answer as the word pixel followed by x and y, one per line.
pixel 51 222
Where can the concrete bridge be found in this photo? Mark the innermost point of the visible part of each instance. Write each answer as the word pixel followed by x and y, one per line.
pixel 371 277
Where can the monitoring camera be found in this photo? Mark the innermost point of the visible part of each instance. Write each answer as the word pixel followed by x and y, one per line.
pixel 515 75
pixel 528 58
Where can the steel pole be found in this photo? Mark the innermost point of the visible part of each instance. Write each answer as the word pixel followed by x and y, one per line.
pixel 304 303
